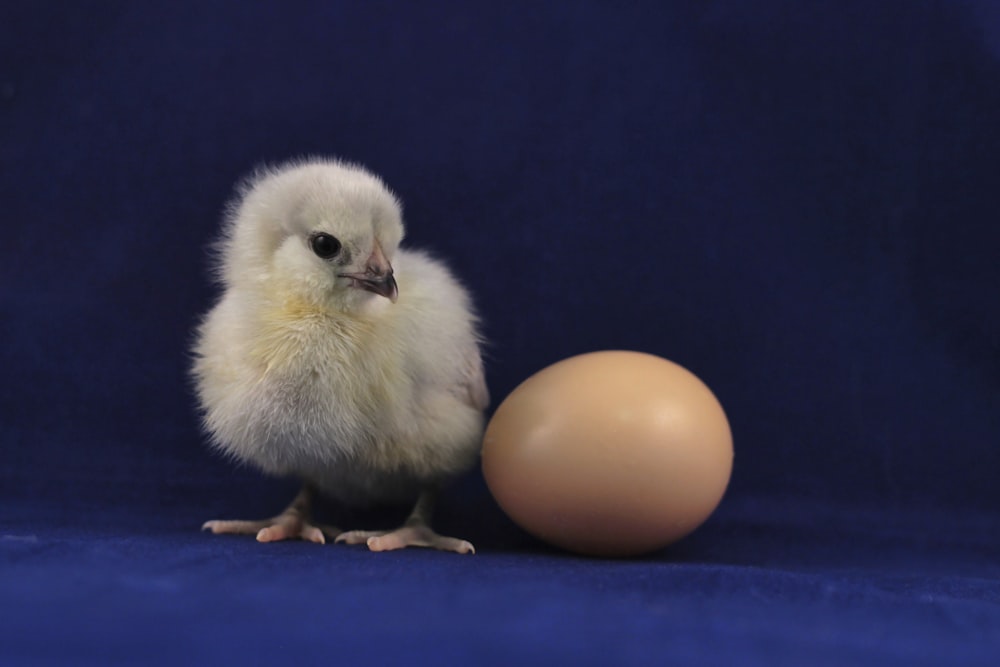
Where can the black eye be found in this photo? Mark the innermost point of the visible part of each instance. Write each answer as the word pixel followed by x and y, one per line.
pixel 324 245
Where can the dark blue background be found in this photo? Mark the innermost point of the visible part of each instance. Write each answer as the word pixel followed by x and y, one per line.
pixel 796 200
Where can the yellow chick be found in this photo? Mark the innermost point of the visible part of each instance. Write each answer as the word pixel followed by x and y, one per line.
pixel 337 357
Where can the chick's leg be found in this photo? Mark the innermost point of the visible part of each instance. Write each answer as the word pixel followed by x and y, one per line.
pixel 293 523
pixel 416 532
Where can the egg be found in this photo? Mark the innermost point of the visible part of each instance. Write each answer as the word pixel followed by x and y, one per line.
pixel 611 453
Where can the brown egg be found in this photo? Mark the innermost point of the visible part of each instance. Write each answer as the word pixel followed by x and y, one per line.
pixel 609 454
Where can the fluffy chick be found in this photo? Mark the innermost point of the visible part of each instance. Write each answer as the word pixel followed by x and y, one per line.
pixel 337 357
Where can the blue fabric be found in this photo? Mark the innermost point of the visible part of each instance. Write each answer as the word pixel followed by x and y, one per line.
pixel 795 200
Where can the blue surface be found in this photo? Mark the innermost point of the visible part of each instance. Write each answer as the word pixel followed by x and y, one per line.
pixel 797 201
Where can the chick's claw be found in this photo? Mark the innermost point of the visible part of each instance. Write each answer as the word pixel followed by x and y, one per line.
pixel 281 527
pixel 408 536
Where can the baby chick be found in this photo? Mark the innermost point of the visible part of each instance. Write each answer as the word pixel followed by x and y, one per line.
pixel 336 356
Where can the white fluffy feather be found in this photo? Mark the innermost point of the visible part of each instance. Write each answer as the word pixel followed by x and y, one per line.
pixel 300 373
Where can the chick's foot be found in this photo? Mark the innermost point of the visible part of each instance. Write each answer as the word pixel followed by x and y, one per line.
pixel 410 535
pixel 416 532
pixel 293 523
pixel 278 528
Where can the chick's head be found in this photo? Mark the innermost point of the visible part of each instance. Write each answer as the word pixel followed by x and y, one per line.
pixel 324 232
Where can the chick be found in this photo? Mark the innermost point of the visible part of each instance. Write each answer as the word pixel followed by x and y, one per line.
pixel 337 357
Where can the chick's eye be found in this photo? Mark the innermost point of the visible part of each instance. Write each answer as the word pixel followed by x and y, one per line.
pixel 324 245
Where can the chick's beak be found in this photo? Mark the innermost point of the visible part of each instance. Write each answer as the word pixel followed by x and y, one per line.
pixel 377 276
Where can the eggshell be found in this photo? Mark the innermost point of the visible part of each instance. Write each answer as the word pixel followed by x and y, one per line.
pixel 611 453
